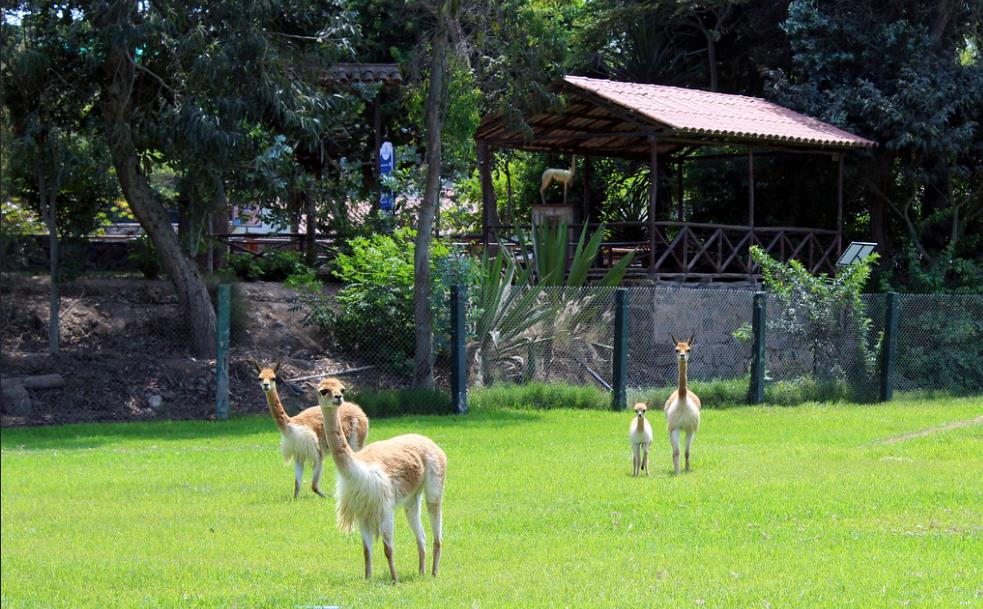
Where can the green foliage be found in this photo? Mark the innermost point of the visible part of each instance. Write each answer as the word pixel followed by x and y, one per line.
pixel 716 393
pixel 145 257
pixel 827 315
pixel 525 307
pixel 384 403
pixel 274 265
pixel 373 313
pixel 539 396
pixel 940 343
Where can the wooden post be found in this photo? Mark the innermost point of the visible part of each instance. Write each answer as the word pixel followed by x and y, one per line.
pixel 586 204
pixel 459 364
pixel 750 189
pixel 489 211
pixel 839 206
pixel 679 190
pixel 889 346
pixel 653 198
pixel 619 372
pixel 221 357
pixel 756 394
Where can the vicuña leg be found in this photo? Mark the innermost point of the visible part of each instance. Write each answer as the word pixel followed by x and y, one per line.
pixel 689 441
pixel 413 516
pixel 387 528
pixel 645 457
pixel 674 438
pixel 298 476
pixel 367 548
pixel 636 462
pixel 316 477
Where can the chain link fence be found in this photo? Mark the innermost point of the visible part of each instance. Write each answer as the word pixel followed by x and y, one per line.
pixel 940 343
pixel 812 351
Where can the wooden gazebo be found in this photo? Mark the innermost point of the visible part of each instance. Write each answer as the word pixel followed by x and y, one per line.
pixel 654 123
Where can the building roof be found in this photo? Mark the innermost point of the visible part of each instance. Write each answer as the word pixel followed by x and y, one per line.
pixel 349 73
pixel 618 119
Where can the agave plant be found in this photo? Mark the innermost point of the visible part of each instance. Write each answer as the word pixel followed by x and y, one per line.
pixel 523 305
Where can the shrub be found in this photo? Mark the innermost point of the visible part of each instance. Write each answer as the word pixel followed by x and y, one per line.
pixel 374 314
pixel 396 402
pixel 275 265
pixel 540 396
pixel 145 257
pixel 716 393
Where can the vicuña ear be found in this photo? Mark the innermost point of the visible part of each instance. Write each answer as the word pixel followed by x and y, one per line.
pixel 692 339
pixel 276 367
pixel 674 341
pixel 255 366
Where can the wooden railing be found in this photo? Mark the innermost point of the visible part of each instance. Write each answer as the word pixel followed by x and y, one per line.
pixel 681 250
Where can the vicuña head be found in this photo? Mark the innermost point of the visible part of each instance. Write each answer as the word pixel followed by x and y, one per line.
pixel 683 346
pixel 640 408
pixel 330 392
pixel 267 376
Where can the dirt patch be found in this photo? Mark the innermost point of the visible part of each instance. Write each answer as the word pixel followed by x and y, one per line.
pixel 125 351
pixel 926 432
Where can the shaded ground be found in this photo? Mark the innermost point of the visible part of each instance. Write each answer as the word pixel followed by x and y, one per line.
pixel 124 341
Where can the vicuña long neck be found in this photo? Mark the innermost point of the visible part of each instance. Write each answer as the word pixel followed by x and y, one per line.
pixel 276 409
pixel 682 380
pixel 342 454
pixel 640 426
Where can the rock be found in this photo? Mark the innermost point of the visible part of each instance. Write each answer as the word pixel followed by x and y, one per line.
pixel 155 402
pixel 44 381
pixel 16 400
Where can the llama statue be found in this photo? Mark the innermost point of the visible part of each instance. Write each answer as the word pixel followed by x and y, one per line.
pixel 640 436
pixel 683 406
pixel 374 481
pixel 563 176
pixel 302 437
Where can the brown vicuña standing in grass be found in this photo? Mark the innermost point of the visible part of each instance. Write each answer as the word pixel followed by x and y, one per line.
pixel 373 482
pixel 302 437
pixel 683 406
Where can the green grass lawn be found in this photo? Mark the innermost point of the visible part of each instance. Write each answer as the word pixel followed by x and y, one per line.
pixel 786 507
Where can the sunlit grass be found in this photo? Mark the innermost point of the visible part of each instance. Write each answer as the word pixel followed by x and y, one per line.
pixel 786 507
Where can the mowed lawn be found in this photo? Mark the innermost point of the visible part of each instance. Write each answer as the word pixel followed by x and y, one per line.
pixel 786 507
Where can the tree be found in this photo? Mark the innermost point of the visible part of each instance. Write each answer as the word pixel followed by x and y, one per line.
pixel 197 84
pixel 45 97
pixel 908 75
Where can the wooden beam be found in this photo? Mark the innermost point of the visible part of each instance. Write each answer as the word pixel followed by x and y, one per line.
pixel 489 209
pixel 839 206
pixel 653 197
pixel 750 188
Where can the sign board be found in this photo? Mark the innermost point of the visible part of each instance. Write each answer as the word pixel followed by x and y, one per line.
pixel 857 250
pixel 387 162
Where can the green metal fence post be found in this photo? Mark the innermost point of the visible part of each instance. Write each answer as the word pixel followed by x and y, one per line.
pixel 889 346
pixel 221 356
pixel 459 360
pixel 619 376
pixel 756 395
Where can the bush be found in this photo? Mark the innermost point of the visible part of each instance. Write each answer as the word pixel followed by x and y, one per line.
pixel 716 393
pixel 275 265
pixel 145 257
pixel 540 396
pixel 396 402
pixel 375 306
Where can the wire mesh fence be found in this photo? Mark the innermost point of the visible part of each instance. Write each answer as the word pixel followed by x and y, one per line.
pixel 814 349
pixel 940 343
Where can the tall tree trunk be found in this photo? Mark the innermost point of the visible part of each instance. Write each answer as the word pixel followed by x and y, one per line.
pixel 48 201
pixel 310 243
pixel 149 211
pixel 423 359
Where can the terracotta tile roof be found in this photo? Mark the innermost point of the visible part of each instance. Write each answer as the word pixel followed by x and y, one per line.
pixel 694 112
pixel 347 73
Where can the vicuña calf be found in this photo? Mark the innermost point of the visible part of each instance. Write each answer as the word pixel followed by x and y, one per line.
pixel 640 435
pixel 683 406
pixel 373 482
